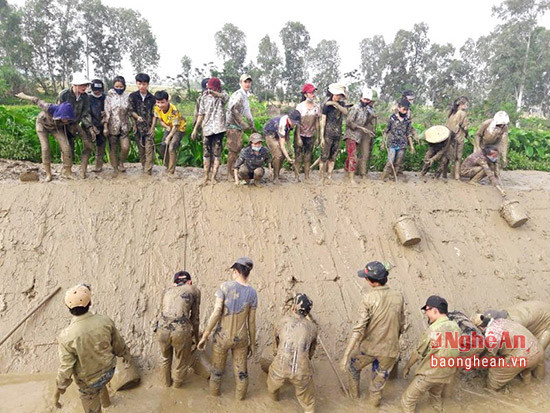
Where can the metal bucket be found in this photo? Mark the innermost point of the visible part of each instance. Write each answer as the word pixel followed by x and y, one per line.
pixel 406 231
pixel 201 364
pixel 514 214
pixel 126 376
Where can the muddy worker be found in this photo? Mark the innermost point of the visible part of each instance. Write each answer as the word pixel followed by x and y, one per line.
pixel 276 132
pixel 525 351
pixel 251 161
pixel 457 122
pixel 211 118
pixel 481 164
pixel 428 379
pixel 82 126
pixel 295 340
pixel 178 328
pixel 333 112
pixel 233 321
pixel 397 136
pixel 117 124
pixel 142 107
pixel 494 132
pixel 88 349
pixel 307 130
pixel 357 134
pixel 173 123
pixel 53 120
pixel 97 111
pixel 375 337
pixel 439 142
pixel 237 108
pixel 204 83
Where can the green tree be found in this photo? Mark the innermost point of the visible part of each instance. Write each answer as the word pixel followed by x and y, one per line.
pixel 324 61
pixel 141 44
pixel 295 40
pixel 185 75
pixel 373 60
pixel 231 48
pixel 268 69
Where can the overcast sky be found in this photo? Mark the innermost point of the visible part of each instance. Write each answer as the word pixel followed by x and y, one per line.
pixel 188 28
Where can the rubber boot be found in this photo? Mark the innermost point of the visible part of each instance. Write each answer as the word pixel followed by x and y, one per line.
pixel 456 170
pixel 215 170
pixel 206 168
pixel 48 169
pixel 104 397
pixel 330 168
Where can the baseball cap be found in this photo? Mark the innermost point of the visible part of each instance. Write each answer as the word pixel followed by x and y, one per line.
pixel 214 83
pixel 435 301
pixel 302 304
pixel 247 262
pixel 245 77
pixel 97 84
pixel 181 277
pixel 256 137
pixel 295 116
pixel 78 296
pixel 374 270
pixel 404 103
pixel 308 88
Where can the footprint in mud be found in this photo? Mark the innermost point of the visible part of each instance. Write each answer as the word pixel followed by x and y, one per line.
pixel 319 203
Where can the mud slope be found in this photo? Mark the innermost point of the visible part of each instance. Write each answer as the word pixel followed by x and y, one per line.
pixel 128 236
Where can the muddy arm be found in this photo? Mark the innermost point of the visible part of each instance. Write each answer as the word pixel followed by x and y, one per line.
pixel 215 318
pixel 67 360
pixel 252 331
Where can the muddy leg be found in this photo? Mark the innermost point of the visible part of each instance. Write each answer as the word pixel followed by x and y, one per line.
pixel 219 357
pixel 418 387
pixel 85 156
pixel 240 369
pixel 100 152
pixel 182 341
pixel 124 150
pixel 305 393
pixel 66 156
pixel 258 174
pixel 274 383
pixel 215 169
pixel 91 401
pixel 104 397
pixel 357 361
pixel 113 153
pixel 166 353
pixel 330 168
pixel 544 340
pixel 381 368
pixel 206 167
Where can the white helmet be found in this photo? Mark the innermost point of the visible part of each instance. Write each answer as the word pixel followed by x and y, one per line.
pixel 501 118
pixel 80 79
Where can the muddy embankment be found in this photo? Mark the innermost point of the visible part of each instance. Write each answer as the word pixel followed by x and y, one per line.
pixel 127 236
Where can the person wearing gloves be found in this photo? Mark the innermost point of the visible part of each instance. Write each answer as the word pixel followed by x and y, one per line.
pixel 117 124
pixel 494 132
pixel 276 132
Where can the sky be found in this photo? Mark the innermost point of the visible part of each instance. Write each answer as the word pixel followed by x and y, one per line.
pixel 188 28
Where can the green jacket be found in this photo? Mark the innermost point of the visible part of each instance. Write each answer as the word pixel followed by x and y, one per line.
pixel 81 107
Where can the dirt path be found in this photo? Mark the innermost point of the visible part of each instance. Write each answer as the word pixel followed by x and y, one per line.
pixel 126 237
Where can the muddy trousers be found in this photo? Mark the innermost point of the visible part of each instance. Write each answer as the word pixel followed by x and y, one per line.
pixel 240 368
pixel 116 141
pixel 170 159
pixel 303 150
pixel 276 154
pixel 146 147
pixel 351 160
pixel 234 146
pixel 544 340
pixel 96 395
pixel 246 175
pixel 175 343
pixel 61 138
pixel 303 386
pixel 381 367
pixel 443 165
pixel 365 155
pixel 396 159
pixel 87 146
pixel 500 377
pixel 418 387
pixel 100 145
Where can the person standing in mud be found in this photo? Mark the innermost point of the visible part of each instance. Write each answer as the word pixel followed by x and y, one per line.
pixel 503 331
pixel 494 132
pixel 88 349
pixel 457 122
pixel 357 133
pixel 481 164
pixel 53 120
pixel 117 124
pixel 204 84
pixel 233 322
pixel 97 111
pixel 251 161
pixel 305 132
pixel 294 343
pixel 178 327
pixel 276 132
pixel 428 379
pixel 211 118
pixel 375 337
pixel 142 106
pixel 76 95
pixel 397 136
pixel 237 108
pixel 333 112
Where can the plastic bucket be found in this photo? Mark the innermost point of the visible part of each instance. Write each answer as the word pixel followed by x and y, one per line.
pixel 406 231
pixel 514 214
pixel 126 376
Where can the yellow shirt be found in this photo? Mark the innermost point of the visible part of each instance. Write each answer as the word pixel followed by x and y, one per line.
pixel 171 118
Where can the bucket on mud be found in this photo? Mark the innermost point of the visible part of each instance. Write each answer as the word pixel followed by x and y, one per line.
pixel 406 231
pixel 514 214
pixel 201 365
pixel 126 376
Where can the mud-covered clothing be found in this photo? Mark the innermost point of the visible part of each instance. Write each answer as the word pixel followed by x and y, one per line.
pixel 117 112
pixel 45 125
pixel 498 138
pixel 437 152
pixel 171 118
pixel 252 159
pixel 334 121
pixel 91 396
pixel 97 107
pixel 419 386
pixel 212 145
pixel 458 125
pixel 143 106
pixel 87 350
pixel 358 116
pixel 305 149
pixel 278 127
pixel 532 352
pixel 81 106
pixel 181 305
pixel 330 148
pixel 398 131
pixel 533 315
pixel 309 120
pixel 247 174
pixel 213 110
pixel 238 107
pixel 425 350
pixel 477 162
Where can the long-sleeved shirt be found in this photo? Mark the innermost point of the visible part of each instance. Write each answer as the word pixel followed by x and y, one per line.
pixel 533 315
pixel 87 349
pixel 398 131
pixel 458 124
pixel 117 112
pixel 504 332
pixel 144 107
pixel 381 321
pixel 97 108
pixel 213 110
pixel 478 159
pixel 238 107
pixel 498 138
pixel 358 116
pixel 181 304
pixel 81 106
pixel 251 158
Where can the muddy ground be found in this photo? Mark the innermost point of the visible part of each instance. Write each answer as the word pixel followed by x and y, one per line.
pixel 127 236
